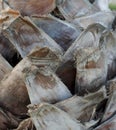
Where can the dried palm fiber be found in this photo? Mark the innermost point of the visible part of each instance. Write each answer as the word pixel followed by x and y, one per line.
pixel 67 70
pixel 104 62
pixel 7 50
pixel 32 7
pixel 108 39
pixel 13 85
pixel 91 69
pixel 111 104
pixel 75 9
pixel 43 85
pixel 82 108
pixel 25 36
pixel 61 31
pixel 5 67
pixel 82 13
pixel 26 124
pixel 104 18
pixel 88 38
pixel 44 118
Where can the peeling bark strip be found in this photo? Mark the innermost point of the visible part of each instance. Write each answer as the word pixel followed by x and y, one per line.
pixel 26 36
pixel 82 108
pixel 62 32
pixel 49 117
pixel 5 67
pixel 32 7
pixel 44 86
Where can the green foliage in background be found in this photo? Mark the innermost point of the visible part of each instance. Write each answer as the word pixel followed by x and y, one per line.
pixel 112 6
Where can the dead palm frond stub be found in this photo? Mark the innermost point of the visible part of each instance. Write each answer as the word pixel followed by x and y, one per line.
pixel 43 86
pixel 64 53
pixel 44 117
pixel 61 31
pixel 79 107
pixel 91 69
pixel 27 36
pixel 70 10
pixel 32 7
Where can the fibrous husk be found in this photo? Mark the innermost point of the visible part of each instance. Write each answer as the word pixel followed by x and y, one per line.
pixel 82 108
pixel 25 36
pixel 44 86
pixel 26 125
pixel 108 39
pixel 111 104
pixel 13 93
pixel 5 67
pixel 13 84
pixel 62 32
pixel 49 117
pixel 91 67
pixel 73 9
pixel 88 38
pixel 32 7
pixel 45 57
pixel 7 49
